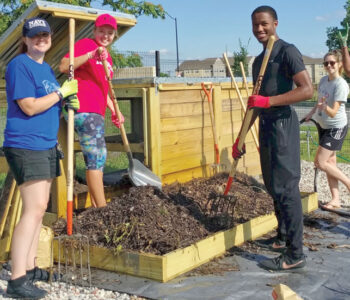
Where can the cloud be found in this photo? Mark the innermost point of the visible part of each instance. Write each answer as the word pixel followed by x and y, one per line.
pixel 335 15
pixel 316 54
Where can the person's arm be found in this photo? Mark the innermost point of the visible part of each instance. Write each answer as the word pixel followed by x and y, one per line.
pixel 303 91
pixel 330 111
pixel 346 60
pixel 342 36
pixel 78 61
pixel 110 104
pixel 82 59
pixel 33 106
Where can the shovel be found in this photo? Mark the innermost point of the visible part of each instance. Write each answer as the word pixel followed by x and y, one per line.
pixel 138 173
pixel 209 93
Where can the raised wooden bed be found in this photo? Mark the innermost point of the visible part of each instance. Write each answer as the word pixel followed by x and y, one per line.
pixel 166 267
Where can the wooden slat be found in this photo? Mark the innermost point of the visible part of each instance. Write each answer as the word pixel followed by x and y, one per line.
pixel 178 97
pixel 183 123
pixel 180 150
pixel 185 136
pixel 184 109
pixel 154 126
pixel 142 265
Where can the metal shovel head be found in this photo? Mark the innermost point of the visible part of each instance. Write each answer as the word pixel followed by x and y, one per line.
pixel 141 176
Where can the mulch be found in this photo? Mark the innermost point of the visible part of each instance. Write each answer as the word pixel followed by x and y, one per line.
pixel 152 221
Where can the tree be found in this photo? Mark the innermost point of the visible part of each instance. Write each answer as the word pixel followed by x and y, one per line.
pixel 121 60
pixel 10 10
pixel 332 42
pixel 240 56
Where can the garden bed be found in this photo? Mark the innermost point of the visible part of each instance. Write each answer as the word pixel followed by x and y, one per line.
pixel 161 234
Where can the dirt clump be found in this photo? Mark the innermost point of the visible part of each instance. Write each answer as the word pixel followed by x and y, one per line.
pixel 149 220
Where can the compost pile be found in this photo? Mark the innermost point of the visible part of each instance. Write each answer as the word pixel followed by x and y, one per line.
pixel 149 220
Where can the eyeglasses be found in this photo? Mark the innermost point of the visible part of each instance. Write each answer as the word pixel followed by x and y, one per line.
pixel 332 63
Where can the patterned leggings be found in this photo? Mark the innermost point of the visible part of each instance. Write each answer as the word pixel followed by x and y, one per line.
pixel 91 131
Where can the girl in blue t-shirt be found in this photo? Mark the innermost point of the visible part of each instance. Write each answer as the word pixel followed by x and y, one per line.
pixel 34 106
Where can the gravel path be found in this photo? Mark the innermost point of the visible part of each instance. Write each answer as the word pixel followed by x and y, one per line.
pixel 324 195
pixel 62 291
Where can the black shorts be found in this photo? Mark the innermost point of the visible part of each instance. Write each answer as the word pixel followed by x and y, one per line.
pixel 27 165
pixel 332 139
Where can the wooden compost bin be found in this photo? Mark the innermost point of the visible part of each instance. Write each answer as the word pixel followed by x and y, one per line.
pixel 168 266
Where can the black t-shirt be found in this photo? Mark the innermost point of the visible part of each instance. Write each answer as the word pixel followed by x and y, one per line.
pixel 285 61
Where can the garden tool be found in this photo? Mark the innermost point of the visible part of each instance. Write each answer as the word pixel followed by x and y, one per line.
pixel 256 129
pixel 73 249
pixel 209 94
pixel 318 130
pixel 138 173
pixel 6 200
pixel 249 113
pixel 241 99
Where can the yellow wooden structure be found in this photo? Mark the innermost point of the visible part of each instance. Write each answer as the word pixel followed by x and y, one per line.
pixel 166 267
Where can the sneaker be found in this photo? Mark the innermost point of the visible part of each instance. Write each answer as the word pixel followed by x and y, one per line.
pixel 283 263
pixel 273 244
pixel 38 274
pixel 23 288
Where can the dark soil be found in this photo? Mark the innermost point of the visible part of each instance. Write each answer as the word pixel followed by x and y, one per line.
pixel 148 220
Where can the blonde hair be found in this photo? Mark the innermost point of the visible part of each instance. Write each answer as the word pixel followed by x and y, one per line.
pixel 338 57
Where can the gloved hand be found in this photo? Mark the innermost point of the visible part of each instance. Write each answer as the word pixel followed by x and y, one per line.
pixel 72 102
pixel 69 87
pixel 116 121
pixel 258 101
pixel 342 35
pixel 95 54
pixel 236 154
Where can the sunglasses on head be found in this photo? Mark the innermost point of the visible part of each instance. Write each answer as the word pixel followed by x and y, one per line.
pixel 332 63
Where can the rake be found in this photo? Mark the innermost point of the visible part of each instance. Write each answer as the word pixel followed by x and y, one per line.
pixel 73 249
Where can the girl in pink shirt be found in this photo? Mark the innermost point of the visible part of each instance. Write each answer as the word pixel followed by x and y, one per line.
pixel 94 98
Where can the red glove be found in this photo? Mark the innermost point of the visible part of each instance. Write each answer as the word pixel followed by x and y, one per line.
pixel 116 121
pixel 258 101
pixel 236 154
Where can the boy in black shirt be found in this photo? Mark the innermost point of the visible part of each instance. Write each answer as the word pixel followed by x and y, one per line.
pixel 279 136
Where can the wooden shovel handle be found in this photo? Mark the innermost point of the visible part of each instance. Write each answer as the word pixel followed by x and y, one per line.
pixel 240 99
pixel 209 94
pixel 249 113
pixel 70 134
pixel 116 107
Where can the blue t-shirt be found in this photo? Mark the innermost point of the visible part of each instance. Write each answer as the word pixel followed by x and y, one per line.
pixel 27 78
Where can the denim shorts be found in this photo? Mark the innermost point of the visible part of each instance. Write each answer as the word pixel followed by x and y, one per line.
pixel 27 165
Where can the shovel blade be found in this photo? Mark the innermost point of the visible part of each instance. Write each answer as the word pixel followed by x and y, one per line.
pixel 140 175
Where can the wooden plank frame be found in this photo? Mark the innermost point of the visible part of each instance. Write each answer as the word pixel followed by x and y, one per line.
pixel 166 267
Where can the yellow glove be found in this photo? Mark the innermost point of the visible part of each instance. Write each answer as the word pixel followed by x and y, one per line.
pixel 68 88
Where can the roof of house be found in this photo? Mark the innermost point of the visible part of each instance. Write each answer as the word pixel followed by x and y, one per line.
pixel 204 64
pixel 311 60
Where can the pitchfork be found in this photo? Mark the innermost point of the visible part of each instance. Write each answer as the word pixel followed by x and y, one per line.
pixel 71 247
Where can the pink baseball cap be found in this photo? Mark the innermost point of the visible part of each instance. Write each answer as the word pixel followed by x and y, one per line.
pixel 106 19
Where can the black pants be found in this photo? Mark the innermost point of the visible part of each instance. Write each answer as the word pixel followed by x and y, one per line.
pixel 280 163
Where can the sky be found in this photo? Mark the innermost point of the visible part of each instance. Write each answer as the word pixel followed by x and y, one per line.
pixel 208 28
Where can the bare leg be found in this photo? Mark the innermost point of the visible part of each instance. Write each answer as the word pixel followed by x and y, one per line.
pixel 322 162
pixel 333 183
pixel 31 263
pixel 94 180
pixel 25 236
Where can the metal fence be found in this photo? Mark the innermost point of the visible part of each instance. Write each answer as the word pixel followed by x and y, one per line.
pixel 167 67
